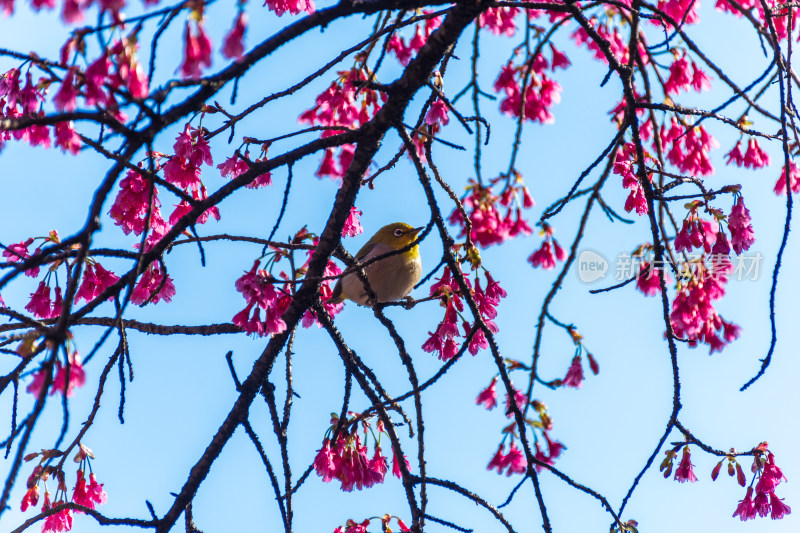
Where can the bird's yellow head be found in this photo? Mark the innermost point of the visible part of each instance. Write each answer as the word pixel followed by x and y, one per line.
pixel 397 235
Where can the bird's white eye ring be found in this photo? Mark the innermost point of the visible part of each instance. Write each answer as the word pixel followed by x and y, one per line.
pixel 398 232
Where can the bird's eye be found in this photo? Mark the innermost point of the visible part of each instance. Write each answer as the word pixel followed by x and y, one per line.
pixel 398 232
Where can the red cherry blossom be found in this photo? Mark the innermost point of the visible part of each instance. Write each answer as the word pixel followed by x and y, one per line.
pixel 499 20
pixel 290 6
pixel 794 179
pixel 488 396
pixel 233 46
pixel 197 50
pixel 684 471
pixel 147 288
pixel 746 510
pixel 574 377
pixel 352 226
pixel 755 157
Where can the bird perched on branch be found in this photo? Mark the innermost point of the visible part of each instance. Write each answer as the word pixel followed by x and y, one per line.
pixel 390 278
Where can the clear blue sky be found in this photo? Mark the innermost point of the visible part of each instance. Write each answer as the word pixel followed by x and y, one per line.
pixel 182 391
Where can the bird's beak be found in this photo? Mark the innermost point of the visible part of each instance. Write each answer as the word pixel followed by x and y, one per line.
pixel 417 230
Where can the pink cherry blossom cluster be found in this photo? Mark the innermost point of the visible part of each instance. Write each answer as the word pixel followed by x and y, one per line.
pixel 574 377
pixel 794 179
pixel 690 148
pixel 233 43
pixel 626 165
pixel 18 102
pixel 422 30
pixel 683 11
pixel 347 459
pixel 483 209
pixel 88 495
pixel 117 68
pixel 693 316
pixel 741 227
pixel 351 526
pixel 236 165
pixel 500 20
pixel 754 157
pixel 63 383
pixel 352 226
pixel 680 78
pixel 73 11
pixel 292 7
pixel 696 232
pixel 259 289
pixel 488 398
pixel 514 461
pixel 725 7
pixel 345 105
pixel 197 47
pixel 443 340
pixel 541 91
pixel 685 471
pixel 617 44
pixel 19 252
pixel 766 502
pixel 549 251
pixel 95 280
pixel 647 277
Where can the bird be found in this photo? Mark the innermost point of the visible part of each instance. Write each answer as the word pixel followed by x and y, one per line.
pixel 391 278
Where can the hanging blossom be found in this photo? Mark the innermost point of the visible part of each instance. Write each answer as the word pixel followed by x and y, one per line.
pixel 233 44
pixel 257 288
pixel 682 11
pixel 549 251
pixel 23 102
pixel 290 6
pixel 95 280
pixel 346 105
pixel 19 252
pixel 541 91
pixel 794 179
pixel 197 48
pixel 443 340
pixel 331 271
pixel 117 68
pixel 685 75
pixel 422 30
pixel 741 227
pixel 183 170
pixel 153 286
pixel 626 165
pixel 647 278
pixel 765 502
pixel 351 526
pixel 131 205
pixel 352 226
pixel 499 20
pixel 347 460
pixel 690 148
pixel 65 381
pixel 754 157
pixel 514 461
pixel 483 206
pixel 488 396
pixel 696 233
pixel 617 44
pixel 693 316
pixel 236 165
pixel 88 495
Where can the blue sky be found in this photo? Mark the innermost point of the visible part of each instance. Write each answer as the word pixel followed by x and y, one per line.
pixel 182 391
